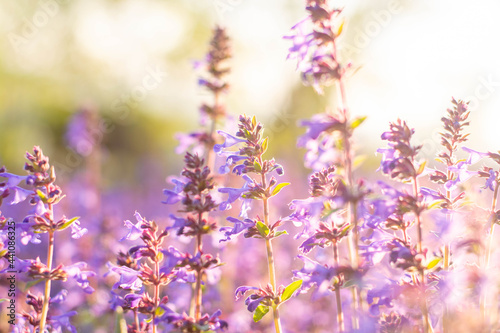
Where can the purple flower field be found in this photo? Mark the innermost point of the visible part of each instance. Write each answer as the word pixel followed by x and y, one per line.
pixel 245 227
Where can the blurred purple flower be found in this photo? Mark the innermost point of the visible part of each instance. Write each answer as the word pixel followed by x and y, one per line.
pixel 175 195
pixel 461 169
pixel 235 193
pixel 230 141
pixel 382 296
pixel 315 274
pixel 239 227
pixel 62 321
pixel 81 277
pixel 129 278
pixel 135 230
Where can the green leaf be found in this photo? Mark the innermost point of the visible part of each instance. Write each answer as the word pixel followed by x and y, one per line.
pixel 42 196
pixel 433 263
pixel 357 121
pixel 264 145
pixel 3 300
pixel 279 233
pixel 341 27
pixel 32 283
pixel 257 166
pixel 358 161
pixel 421 168
pixel 263 229
pixel 290 289
pixel 278 188
pixel 260 312
pixel 68 223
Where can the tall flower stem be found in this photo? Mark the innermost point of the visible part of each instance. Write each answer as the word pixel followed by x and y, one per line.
pixel 446 259
pixel 352 214
pixel 209 152
pixel 46 296
pixel 50 257
pixel 270 256
pixel 199 272
pixel 425 311
pixel 488 247
pixel 157 286
pixel 340 314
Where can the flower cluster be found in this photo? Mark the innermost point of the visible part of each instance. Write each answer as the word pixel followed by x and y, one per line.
pixel 202 141
pixel 314 44
pixel 248 159
pixel 152 264
pixel 43 194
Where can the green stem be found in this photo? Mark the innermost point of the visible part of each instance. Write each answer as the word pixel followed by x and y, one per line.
pixel 199 273
pixel 46 298
pixel 270 255
pixel 157 292
pixel 198 296
pixel 423 305
pixel 277 320
pixel 340 314
pixel 351 209
pixel 446 259
pixel 209 154
pixel 484 310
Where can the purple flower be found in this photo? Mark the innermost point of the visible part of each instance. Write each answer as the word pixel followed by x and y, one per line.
pixel 192 142
pixel 129 278
pixel 301 42
pixel 461 169
pixel 313 273
pixel 174 196
pixel 59 298
pixel 306 213
pixel 239 227
pixel 232 159
pixel 252 301
pixel 12 179
pixel 62 321
pixel 491 180
pixel 241 291
pixel 135 230
pixel 382 296
pixel 179 222
pixel 116 300
pixel 229 142
pixel 77 231
pixel 19 194
pixel 133 299
pixel 234 193
pixel 81 277
pixel 318 124
pixel 172 257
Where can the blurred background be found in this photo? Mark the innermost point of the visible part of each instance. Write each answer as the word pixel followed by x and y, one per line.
pixel 60 56
pixel 103 86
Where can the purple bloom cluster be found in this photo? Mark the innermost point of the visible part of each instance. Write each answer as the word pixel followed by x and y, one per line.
pixel 43 194
pixel 314 45
pixel 201 142
pixel 151 264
